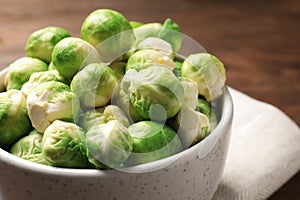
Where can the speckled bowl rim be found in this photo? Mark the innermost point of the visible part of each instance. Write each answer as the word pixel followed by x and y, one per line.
pixel 224 123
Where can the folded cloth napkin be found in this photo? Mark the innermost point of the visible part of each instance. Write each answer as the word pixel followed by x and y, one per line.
pixel 264 151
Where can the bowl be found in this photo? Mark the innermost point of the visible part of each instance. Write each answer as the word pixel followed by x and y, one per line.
pixel 191 174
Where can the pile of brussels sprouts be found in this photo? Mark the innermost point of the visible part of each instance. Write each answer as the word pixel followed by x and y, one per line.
pixel 120 95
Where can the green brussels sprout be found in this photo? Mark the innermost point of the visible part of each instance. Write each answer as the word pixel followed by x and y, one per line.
pixel 152 141
pixel 207 71
pixel 109 31
pixel 169 31
pixel 94 85
pixel 108 145
pixel 119 68
pixel 157 44
pixel 191 126
pixel 147 58
pixel 72 54
pixel 14 121
pixel 40 77
pixel 50 101
pixel 101 116
pixel 21 70
pixel 63 145
pixel 155 92
pixel 190 92
pixel 204 107
pixel 30 148
pixel 41 42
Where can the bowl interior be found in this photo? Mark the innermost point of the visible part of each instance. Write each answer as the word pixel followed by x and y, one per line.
pixel 222 105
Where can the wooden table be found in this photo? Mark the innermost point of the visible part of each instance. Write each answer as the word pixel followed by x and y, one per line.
pixel 258 41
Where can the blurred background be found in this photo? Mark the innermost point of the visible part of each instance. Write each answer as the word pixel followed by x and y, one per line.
pixel 258 41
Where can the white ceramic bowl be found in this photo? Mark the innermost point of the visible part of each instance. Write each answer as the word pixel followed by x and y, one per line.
pixel 192 174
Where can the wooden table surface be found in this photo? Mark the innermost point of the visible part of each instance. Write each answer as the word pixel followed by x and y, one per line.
pixel 258 41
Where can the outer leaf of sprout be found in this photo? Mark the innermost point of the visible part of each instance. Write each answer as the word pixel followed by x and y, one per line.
pixel 51 101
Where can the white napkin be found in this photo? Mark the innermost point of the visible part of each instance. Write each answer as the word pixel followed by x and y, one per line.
pixel 264 151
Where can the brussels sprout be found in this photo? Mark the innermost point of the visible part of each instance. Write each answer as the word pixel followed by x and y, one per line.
pixel 191 126
pixel 21 70
pixel 158 45
pixel 205 108
pixel 101 116
pixel 63 145
pixel 72 54
pixel 152 141
pixel 41 42
pixel 118 68
pixel 208 72
pixel 190 92
pixel 50 101
pixel 14 121
pixel 147 58
pixel 108 145
pixel 30 148
pixel 94 85
pixel 155 92
pixel 109 31
pixel 169 31
pixel 40 77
